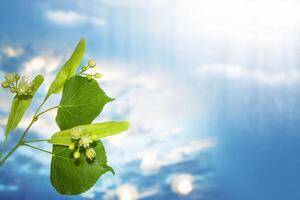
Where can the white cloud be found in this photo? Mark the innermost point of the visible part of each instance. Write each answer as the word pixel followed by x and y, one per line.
pixel 72 18
pixel 134 3
pixel 182 184
pixel 127 192
pixel 260 22
pixel 4 102
pixel 148 99
pixel 153 103
pixel 7 187
pixel 97 21
pixel 2 137
pixel 3 121
pixel 41 64
pixel 149 192
pixel 153 160
pixel 150 163
pixel 177 154
pixel 90 194
pixel 65 17
pixel 11 52
pixel 107 188
pixel 262 76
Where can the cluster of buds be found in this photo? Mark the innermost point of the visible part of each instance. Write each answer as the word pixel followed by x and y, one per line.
pixel 22 86
pixel 82 141
pixel 91 64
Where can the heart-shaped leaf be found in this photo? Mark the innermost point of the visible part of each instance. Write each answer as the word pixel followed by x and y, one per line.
pixel 68 70
pixel 20 104
pixel 70 176
pixel 101 130
pixel 82 101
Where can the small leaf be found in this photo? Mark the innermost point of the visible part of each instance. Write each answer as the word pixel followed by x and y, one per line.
pixel 82 101
pixel 20 104
pixel 101 130
pixel 68 70
pixel 70 176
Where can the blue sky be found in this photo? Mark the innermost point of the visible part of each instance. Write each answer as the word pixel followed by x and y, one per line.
pixel 209 87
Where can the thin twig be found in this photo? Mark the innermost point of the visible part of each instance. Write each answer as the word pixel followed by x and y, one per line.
pixel 31 141
pixel 33 147
pixel 46 111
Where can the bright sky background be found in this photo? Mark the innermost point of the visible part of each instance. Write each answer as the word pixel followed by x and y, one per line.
pixel 211 89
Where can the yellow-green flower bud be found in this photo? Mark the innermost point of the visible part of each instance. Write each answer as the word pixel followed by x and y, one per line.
pixel 72 146
pixel 76 133
pixel 89 77
pixel 5 85
pixel 84 68
pixel 90 153
pixel 17 77
pixel 13 90
pixel 92 63
pixel 97 75
pixel 76 155
pixel 94 137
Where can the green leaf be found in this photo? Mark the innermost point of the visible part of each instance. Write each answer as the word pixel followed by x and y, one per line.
pixel 101 130
pixel 68 70
pixel 82 101
pixel 70 176
pixel 20 104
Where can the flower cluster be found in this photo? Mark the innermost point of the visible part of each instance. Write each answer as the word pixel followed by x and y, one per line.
pixel 82 141
pixel 91 64
pixel 22 86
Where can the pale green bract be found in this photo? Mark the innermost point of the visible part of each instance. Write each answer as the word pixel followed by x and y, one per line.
pixel 68 70
pixel 20 104
pixel 101 130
